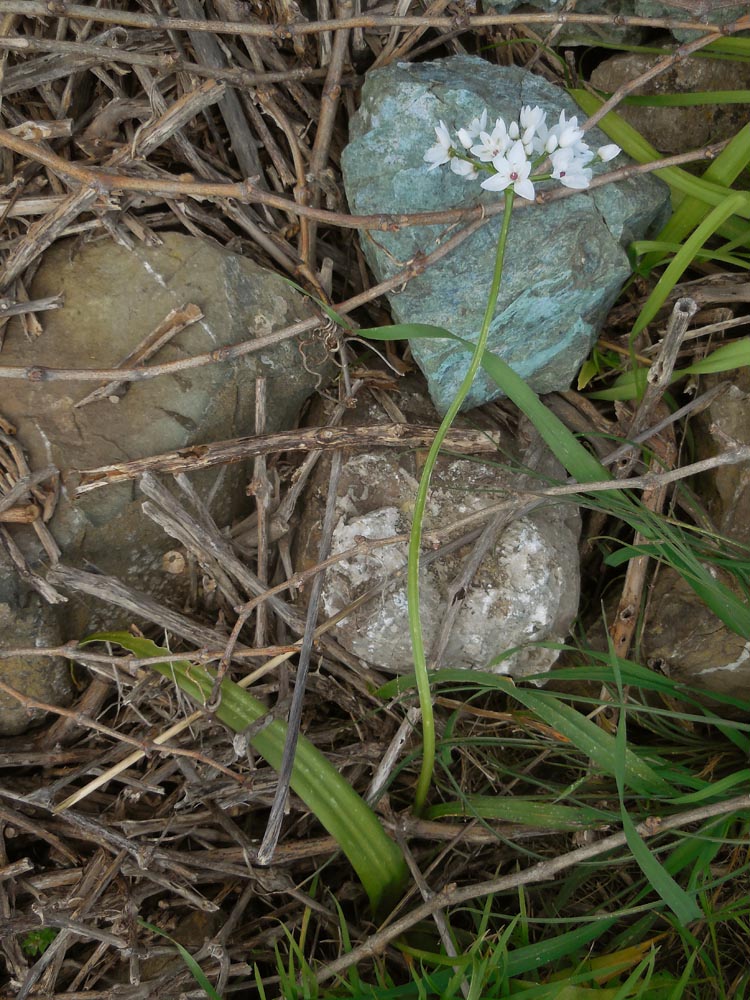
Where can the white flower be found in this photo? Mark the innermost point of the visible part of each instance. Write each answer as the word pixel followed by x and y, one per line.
pixel 607 153
pixel 571 170
pixel 561 136
pixel 568 132
pixel 515 150
pixel 479 124
pixel 581 152
pixel 493 144
pixel 531 118
pixel 513 170
pixel 472 131
pixel 441 152
pixel 463 168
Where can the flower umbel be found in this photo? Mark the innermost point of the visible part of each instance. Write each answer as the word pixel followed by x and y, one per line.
pixel 520 153
pixel 512 170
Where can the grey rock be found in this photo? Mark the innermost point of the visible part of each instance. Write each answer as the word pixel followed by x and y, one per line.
pixel 677 130
pixel 113 298
pixel 591 34
pixel 45 679
pixel 688 643
pixel 525 590
pixel 565 262
pixel 581 34
pixel 683 637
pixel 701 10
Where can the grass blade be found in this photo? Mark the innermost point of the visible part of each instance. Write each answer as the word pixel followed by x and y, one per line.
pixel 573 727
pixel 682 905
pixel 197 973
pixel 535 956
pixel 529 812
pixel 684 258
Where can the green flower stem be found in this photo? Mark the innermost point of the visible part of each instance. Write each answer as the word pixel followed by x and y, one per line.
pixel 415 538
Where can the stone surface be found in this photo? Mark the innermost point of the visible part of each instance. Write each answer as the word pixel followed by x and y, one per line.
pixel 113 299
pixel 526 589
pixel 727 489
pixel 581 34
pixel 28 622
pixel 709 11
pixel 590 34
pixel 688 643
pixel 683 637
pixel 677 130
pixel 565 261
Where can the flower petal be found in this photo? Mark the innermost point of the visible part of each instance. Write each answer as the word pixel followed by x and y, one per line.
pixel 524 189
pixel 496 183
pixel 463 168
pixel 436 156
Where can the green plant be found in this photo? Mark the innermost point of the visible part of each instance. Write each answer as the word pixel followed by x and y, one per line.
pixel 36 942
pixel 510 159
pixel 373 855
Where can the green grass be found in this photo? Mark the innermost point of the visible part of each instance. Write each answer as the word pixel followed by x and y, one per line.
pixel 604 929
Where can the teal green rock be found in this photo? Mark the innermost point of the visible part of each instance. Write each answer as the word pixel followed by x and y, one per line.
pixel 565 262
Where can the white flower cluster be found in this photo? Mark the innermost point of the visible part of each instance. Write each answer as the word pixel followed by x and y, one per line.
pixel 518 155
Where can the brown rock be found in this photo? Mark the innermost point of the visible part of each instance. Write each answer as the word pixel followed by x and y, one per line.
pixel 688 643
pixel 682 636
pixel 41 678
pixel 675 129
pixel 114 298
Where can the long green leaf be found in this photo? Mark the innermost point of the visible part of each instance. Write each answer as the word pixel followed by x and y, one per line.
pixel 684 258
pixel 593 741
pixel 724 170
pixel 716 789
pixel 374 856
pixel 682 905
